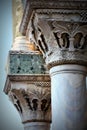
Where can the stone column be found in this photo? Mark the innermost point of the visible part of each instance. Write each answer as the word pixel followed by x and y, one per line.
pixel 60 32
pixel 68 70
pixel 31 96
pixel 21 42
pixel 68 86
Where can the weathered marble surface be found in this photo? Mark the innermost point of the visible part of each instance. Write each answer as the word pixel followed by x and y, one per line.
pixel 25 63
pixel 31 96
pixel 68 97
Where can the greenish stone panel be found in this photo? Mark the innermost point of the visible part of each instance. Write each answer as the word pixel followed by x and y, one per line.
pixel 26 64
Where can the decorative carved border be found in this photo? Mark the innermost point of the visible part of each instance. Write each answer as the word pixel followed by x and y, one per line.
pixel 82 13
pixel 41 80
pixel 61 62
pixel 25 52
pixel 32 5
pixel 67 58
pixel 28 121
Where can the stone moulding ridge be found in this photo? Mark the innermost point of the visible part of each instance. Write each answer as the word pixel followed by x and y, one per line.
pixel 28 121
pixel 33 5
pixel 37 79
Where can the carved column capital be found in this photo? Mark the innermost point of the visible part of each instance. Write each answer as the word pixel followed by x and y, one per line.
pixel 70 43
pixel 32 97
pixel 60 34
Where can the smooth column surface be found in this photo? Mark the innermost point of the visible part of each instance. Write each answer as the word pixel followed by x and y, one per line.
pixel 68 94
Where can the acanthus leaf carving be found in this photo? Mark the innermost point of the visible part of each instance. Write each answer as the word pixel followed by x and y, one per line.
pixel 70 35
pixel 35 98
pixel 64 31
pixel 15 100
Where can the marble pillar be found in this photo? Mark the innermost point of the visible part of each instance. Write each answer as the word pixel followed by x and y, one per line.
pixel 68 87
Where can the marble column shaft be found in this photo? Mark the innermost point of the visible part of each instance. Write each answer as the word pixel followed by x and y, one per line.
pixel 68 87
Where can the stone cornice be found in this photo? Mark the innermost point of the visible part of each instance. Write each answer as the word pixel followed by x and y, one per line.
pixel 56 4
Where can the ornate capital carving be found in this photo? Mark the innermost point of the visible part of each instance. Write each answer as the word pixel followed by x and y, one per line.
pixel 61 35
pixel 32 98
pixel 32 5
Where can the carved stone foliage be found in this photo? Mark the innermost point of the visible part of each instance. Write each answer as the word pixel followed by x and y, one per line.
pixel 59 30
pixel 15 101
pixel 38 99
pixel 61 35
pixel 31 95
pixel 33 103
pixel 42 42
pixel 67 35
pixel 70 35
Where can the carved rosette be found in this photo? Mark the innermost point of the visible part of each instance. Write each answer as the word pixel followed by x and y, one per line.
pixel 61 35
pixel 32 98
